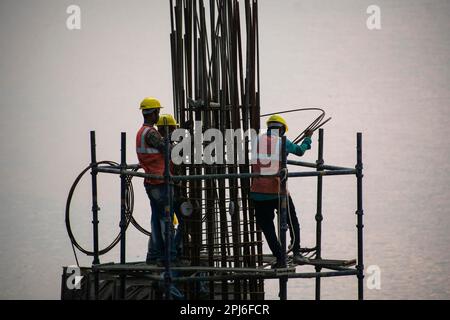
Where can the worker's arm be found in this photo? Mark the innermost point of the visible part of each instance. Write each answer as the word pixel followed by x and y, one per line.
pixel 155 140
pixel 298 149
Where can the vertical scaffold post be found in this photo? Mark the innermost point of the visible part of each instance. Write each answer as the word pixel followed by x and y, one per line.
pixel 168 216
pixel 360 213
pixel 283 216
pixel 123 222
pixel 319 216
pixel 94 210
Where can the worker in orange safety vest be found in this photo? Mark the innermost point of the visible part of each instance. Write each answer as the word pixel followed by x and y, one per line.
pixel 265 191
pixel 150 149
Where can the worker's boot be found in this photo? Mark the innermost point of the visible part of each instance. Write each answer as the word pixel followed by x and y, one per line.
pixel 299 258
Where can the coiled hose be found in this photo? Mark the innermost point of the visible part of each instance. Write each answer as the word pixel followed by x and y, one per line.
pixel 129 207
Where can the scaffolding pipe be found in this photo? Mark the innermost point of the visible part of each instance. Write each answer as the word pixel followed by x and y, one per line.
pixel 95 209
pixel 128 173
pixel 322 173
pixel 279 273
pixel 333 172
pixel 315 165
pixel 123 219
pixel 319 216
pixel 283 215
pixel 360 213
pixel 290 162
pixel 291 275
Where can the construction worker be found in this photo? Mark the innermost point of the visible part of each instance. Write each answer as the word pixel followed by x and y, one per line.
pixel 169 122
pixel 265 191
pixel 150 148
pixel 166 120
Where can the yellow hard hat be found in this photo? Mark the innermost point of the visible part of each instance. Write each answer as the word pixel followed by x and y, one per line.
pixel 150 103
pixel 166 120
pixel 278 119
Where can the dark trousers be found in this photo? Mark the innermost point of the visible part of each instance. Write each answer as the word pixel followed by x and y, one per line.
pixel 157 242
pixel 265 213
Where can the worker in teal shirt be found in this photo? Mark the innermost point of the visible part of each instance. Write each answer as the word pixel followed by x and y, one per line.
pixel 265 193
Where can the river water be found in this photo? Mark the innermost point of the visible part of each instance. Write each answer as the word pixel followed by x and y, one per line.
pixel 391 84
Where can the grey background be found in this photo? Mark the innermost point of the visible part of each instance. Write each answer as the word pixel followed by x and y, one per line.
pixel 391 84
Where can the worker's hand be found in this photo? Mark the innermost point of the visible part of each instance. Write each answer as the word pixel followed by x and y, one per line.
pixel 306 145
pixel 283 174
pixel 189 125
pixel 309 133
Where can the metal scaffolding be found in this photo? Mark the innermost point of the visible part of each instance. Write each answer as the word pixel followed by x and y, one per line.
pixel 216 85
pixel 210 266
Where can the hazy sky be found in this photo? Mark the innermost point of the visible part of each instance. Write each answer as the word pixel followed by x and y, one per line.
pixel 392 84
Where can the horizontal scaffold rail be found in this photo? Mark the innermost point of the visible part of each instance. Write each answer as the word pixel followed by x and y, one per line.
pixel 327 171
pixel 316 166
pixel 322 173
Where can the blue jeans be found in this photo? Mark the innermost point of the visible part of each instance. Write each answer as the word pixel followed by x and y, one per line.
pixel 156 244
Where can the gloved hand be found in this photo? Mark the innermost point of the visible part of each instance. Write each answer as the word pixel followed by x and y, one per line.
pixel 306 144
pixel 309 133
pixel 283 174
pixel 308 141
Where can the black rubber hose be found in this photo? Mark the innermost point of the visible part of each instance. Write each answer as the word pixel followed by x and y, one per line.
pixel 129 204
pixel 129 211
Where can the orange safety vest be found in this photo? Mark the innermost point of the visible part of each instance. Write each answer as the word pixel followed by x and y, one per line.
pixel 268 162
pixel 150 159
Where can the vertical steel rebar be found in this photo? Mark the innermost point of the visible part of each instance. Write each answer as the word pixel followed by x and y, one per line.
pixel 216 91
pixel 319 216
pixel 360 213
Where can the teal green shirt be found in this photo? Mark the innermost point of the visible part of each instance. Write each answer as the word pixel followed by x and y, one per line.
pixel 298 150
